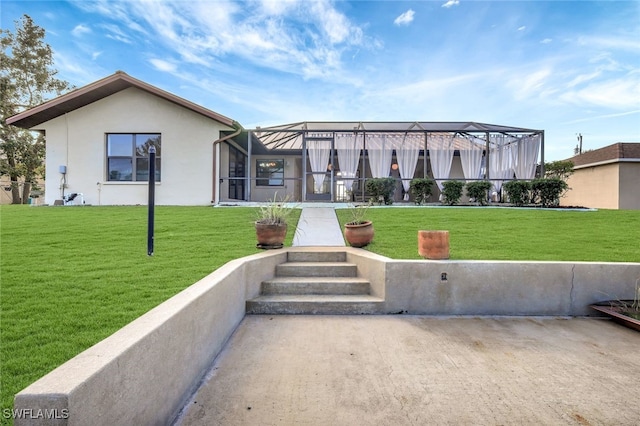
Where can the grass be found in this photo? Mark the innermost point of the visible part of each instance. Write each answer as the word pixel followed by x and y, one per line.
pixel 72 276
pixel 509 234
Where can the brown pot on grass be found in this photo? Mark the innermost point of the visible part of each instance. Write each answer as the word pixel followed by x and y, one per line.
pixel 270 236
pixel 359 234
pixel 433 245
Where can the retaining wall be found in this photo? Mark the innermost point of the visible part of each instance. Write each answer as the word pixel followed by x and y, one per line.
pixel 144 373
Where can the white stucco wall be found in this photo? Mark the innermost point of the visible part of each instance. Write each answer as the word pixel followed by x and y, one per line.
pixel 78 140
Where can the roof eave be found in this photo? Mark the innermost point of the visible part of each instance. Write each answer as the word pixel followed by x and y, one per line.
pixel 99 90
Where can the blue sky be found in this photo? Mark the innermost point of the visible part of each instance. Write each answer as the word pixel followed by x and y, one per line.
pixel 567 67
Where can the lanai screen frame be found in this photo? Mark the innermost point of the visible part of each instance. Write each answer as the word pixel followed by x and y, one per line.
pixel 293 137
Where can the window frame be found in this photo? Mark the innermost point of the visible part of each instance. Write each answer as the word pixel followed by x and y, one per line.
pixel 260 170
pixel 117 145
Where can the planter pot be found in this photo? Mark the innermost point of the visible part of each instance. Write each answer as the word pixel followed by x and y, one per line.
pixel 615 310
pixel 433 244
pixel 270 236
pixel 359 235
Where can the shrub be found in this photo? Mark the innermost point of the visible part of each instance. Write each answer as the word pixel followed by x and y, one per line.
pixel 479 190
pixel 452 191
pixel 421 189
pixel 381 189
pixel 518 191
pixel 548 191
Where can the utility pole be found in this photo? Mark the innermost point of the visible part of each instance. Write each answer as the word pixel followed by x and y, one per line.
pixel 579 147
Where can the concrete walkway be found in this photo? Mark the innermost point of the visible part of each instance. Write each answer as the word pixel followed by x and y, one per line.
pixel 416 370
pixel 318 226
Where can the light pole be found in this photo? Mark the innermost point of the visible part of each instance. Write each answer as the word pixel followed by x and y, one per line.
pixel 151 203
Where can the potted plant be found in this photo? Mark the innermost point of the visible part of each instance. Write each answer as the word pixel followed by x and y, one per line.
pixel 358 231
pixel 271 225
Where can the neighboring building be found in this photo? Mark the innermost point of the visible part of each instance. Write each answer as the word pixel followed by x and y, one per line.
pixel 98 138
pixel 606 178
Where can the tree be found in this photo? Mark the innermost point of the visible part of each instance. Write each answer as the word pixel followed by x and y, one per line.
pixel 26 80
pixel 558 169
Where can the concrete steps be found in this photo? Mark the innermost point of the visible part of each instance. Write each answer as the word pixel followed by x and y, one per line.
pixel 311 282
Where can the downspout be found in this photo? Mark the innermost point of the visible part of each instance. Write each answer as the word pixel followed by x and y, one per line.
pixel 215 196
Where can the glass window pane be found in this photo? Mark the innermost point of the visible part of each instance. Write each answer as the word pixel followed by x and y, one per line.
pixel 270 172
pixel 120 169
pixel 142 169
pixel 144 141
pixel 119 145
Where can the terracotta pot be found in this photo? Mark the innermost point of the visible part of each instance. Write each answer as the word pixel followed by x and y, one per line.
pixel 359 235
pixel 433 244
pixel 271 235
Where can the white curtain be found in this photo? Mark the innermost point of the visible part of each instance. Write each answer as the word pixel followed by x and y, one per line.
pixel 500 161
pixel 526 162
pixel 348 146
pixel 407 150
pixel 380 151
pixel 440 155
pixel 471 158
pixel 319 158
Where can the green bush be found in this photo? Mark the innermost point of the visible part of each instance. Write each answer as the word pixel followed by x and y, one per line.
pixel 518 191
pixel 479 190
pixel 381 189
pixel 452 191
pixel 548 191
pixel 421 189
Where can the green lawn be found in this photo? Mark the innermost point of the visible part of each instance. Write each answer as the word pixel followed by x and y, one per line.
pixel 509 234
pixel 72 276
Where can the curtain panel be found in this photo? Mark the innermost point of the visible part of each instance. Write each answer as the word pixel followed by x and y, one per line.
pixel 380 151
pixel 407 151
pixel 440 155
pixel 319 151
pixel 348 146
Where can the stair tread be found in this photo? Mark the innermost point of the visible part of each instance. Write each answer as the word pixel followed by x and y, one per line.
pixel 314 263
pixel 317 298
pixel 286 280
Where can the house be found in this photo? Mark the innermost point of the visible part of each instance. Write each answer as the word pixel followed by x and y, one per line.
pixel 606 178
pixel 98 139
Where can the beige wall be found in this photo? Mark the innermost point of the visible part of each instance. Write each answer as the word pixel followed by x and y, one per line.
pixel 77 140
pixel 629 186
pixel 595 187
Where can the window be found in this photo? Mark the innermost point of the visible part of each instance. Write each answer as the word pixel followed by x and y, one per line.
pixel 237 161
pixel 270 172
pixel 128 156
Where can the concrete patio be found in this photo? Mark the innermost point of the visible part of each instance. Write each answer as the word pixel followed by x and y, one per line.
pixel 419 370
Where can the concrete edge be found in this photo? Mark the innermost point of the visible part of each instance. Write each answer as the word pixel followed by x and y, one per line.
pixel 144 373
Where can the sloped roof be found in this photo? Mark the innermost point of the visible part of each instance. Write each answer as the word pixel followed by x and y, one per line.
pixel 289 136
pixel 616 152
pixel 101 89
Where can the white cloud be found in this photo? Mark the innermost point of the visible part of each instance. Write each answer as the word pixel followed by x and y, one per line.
pixel 80 30
pixel 621 94
pixel 451 3
pixel 405 19
pixel 95 55
pixel 546 41
pixel 522 28
pixel 162 65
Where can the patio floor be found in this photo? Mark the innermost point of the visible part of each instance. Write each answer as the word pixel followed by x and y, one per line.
pixel 417 370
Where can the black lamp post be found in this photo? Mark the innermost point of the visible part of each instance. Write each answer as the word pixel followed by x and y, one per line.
pixel 152 188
